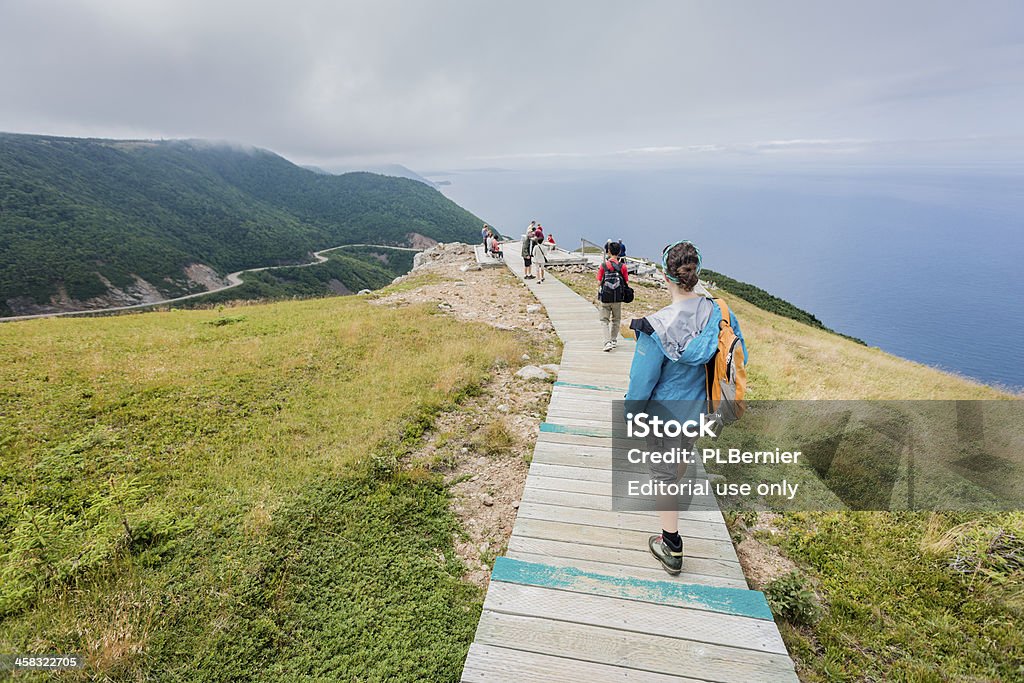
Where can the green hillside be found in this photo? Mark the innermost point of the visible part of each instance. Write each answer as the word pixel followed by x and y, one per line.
pixel 346 271
pixel 74 212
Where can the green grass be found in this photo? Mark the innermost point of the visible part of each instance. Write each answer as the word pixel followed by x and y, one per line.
pixel 204 495
pixel 897 610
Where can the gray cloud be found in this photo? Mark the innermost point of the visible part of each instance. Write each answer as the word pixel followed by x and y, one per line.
pixel 447 83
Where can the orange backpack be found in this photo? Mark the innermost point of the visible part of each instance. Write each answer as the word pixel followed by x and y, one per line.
pixel 725 374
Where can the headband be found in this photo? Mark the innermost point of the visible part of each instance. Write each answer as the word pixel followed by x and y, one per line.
pixel 664 258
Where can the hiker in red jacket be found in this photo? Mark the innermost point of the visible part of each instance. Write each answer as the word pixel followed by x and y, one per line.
pixel 613 278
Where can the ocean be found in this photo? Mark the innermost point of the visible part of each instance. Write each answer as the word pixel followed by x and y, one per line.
pixel 922 263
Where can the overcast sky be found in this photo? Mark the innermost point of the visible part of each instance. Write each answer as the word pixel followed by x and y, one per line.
pixel 480 83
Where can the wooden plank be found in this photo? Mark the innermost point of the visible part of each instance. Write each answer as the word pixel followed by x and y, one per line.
pixel 627 557
pixel 707 525
pixel 605 489
pixel 610 537
pixel 582 471
pixel 576 439
pixel 653 571
pixel 643 653
pixel 593 502
pixel 598 429
pixel 543 469
pixel 600 387
pixel 492 664
pixel 738 602
pixel 741 633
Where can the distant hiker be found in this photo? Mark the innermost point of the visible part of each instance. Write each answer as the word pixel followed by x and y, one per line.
pixel 613 278
pixel 485 235
pixel 540 258
pixel 551 241
pixel 527 252
pixel 495 247
pixel 622 250
pixel 538 233
pixel 668 373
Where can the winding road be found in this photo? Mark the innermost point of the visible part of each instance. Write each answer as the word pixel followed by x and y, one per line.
pixel 234 280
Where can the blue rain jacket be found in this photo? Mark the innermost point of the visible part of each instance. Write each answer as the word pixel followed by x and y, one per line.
pixel 667 367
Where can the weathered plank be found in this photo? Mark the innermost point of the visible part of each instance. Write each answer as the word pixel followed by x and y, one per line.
pixel 735 601
pixel 642 652
pixel 652 571
pixel 692 524
pixel 595 502
pixel 743 633
pixel 491 664
pixel 616 538
pixel 628 557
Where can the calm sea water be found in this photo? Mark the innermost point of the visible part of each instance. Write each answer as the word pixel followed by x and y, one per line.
pixel 924 264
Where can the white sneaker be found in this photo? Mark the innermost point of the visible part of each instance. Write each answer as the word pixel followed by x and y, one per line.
pixel 615 344
pixel 608 346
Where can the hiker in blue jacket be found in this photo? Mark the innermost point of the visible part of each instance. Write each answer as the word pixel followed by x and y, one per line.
pixel 667 375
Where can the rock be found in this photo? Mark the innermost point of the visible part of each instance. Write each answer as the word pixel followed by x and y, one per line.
pixel 551 368
pixel 460 284
pixel 466 268
pixel 503 408
pixel 537 308
pixel 526 356
pixel 487 500
pixel 715 478
pixel 531 372
pixel 515 504
pixel 545 326
pixel 363 291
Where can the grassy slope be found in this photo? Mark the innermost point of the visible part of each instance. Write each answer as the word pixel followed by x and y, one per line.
pixel 251 453
pixel 896 609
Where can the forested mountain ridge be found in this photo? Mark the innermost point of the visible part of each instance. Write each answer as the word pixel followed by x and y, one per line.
pixel 85 219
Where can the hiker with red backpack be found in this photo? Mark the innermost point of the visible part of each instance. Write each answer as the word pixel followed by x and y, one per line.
pixel 692 345
pixel 612 293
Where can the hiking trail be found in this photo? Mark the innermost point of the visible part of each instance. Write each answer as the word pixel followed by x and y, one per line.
pixel 577 596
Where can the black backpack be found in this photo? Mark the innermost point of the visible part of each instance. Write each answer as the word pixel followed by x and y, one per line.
pixel 613 285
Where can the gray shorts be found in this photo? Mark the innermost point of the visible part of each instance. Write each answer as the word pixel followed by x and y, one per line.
pixel 670 472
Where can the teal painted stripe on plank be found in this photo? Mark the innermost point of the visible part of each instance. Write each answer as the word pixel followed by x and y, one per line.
pixel 592 387
pixel 575 431
pixel 735 601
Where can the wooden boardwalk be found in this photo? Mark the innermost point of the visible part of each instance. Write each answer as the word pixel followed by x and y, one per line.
pixel 578 597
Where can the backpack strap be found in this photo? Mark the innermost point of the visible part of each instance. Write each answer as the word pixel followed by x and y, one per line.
pixel 725 312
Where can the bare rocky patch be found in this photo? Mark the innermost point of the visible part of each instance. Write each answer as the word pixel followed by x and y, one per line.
pixel 483 447
pixel 761 560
